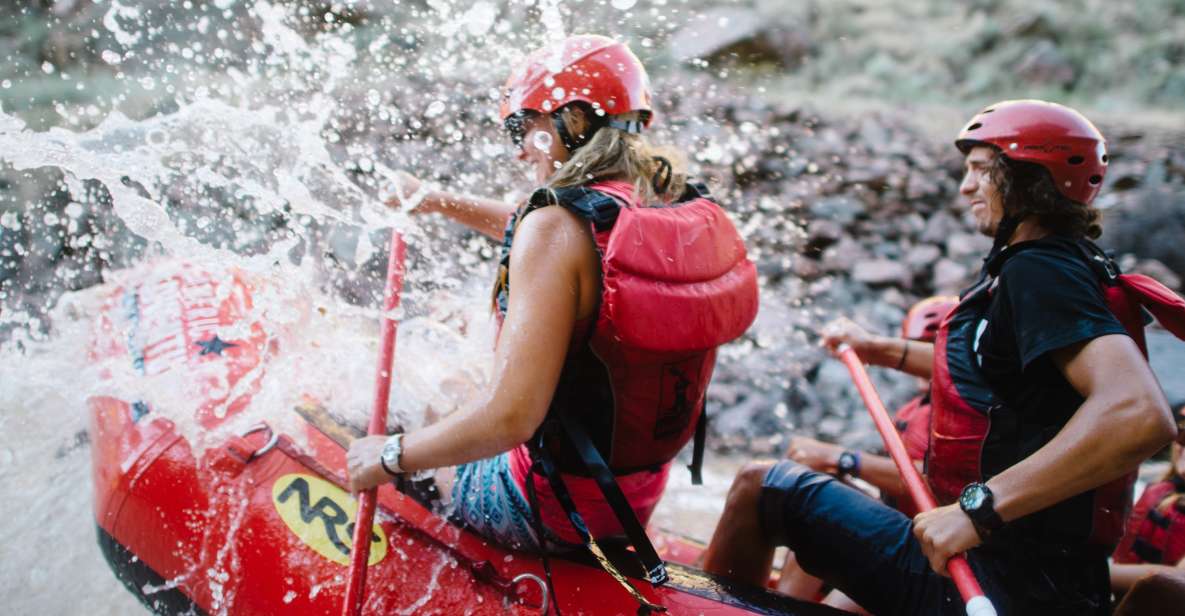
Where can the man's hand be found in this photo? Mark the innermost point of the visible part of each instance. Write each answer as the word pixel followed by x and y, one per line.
pixel 943 533
pixel 845 331
pixel 819 456
pixel 363 462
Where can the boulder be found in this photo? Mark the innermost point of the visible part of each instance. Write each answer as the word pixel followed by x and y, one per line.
pixel 950 277
pixel 881 272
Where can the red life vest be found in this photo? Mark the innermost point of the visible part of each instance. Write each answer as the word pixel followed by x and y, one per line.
pixel 675 284
pixel 1156 528
pixel 913 422
pixel 965 407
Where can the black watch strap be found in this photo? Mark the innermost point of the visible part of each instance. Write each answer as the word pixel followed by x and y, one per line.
pixel 978 502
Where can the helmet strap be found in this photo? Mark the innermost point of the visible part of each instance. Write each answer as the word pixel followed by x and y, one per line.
pixel 571 142
pixel 1004 231
pixel 627 126
pixel 574 142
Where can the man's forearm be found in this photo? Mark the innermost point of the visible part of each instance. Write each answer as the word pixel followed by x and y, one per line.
pixel 909 356
pixel 881 472
pixel 1123 577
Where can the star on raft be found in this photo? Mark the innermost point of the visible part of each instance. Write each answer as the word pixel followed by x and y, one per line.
pixel 214 345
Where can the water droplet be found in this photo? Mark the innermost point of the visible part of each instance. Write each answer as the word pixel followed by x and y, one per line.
pixel 111 57
pixel 623 5
pixel 541 140
pixel 557 93
pixel 435 109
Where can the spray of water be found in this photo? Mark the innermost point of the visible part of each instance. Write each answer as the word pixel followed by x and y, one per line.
pixel 254 139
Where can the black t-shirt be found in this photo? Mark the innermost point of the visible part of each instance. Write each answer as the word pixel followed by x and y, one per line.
pixel 1046 298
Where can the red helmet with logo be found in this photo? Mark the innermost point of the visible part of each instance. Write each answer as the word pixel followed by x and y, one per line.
pixel 924 318
pixel 1058 138
pixel 583 68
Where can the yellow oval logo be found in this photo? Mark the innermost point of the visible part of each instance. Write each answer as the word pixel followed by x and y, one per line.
pixel 322 515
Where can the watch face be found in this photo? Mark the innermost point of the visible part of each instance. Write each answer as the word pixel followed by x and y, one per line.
pixel 390 453
pixel 972 498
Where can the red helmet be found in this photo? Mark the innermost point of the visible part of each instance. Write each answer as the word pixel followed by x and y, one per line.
pixel 587 68
pixel 1058 138
pixel 923 319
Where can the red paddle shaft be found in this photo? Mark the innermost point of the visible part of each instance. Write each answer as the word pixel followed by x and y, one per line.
pixel 356 590
pixel 977 603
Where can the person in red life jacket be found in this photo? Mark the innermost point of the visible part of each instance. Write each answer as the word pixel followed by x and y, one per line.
pixel 1043 406
pixel 1154 540
pixel 912 420
pixel 610 314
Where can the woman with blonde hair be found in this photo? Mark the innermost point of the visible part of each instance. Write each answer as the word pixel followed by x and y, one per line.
pixel 611 308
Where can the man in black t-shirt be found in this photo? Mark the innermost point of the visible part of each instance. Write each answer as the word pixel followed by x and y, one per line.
pixel 1043 407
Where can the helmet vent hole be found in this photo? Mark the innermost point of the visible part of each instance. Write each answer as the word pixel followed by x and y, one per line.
pixel 1095 179
pixel 1076 160
pixel 1105 159
pixel 974 126
pixel 989 110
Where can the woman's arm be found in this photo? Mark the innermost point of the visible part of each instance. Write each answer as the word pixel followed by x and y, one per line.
pixel 552 253
pixel 487 216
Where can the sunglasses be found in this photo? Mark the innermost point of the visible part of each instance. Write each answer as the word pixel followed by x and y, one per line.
pixel 516 127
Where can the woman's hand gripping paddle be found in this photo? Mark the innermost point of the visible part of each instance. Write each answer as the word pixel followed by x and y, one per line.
pixel 976 602
pixel 356 589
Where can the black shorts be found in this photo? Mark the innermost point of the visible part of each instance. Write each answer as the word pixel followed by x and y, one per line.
pixel 867 550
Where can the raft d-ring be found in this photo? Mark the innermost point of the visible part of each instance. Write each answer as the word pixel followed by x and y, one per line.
pixel 542 587
pixel 271 442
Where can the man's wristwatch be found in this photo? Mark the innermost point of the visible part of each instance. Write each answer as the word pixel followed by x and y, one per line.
pixel 979 504
pixel 392 452
pixel 849 464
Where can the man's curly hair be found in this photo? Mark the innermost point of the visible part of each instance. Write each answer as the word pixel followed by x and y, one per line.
pixel 1027 189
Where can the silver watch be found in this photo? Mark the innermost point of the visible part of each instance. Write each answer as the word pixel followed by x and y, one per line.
pixel 392 452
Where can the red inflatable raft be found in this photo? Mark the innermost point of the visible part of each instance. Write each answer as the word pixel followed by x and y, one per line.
pixel 258 522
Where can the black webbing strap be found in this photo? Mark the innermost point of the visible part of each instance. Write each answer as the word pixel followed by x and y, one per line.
pixel 697 448
pixel 537 525
pixel 656 570
pixel 542 464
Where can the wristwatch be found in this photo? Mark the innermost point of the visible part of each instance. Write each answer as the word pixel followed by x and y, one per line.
pixel 978 503
pixel 392 452
pixel 849 464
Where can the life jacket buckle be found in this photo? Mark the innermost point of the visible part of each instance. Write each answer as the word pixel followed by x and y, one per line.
pixel 658 575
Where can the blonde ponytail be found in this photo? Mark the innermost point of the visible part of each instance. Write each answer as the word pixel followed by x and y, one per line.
pixel 657 173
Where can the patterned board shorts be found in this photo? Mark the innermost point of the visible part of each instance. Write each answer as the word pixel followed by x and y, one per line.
pixel 486 499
